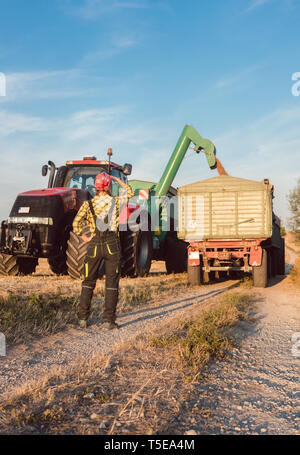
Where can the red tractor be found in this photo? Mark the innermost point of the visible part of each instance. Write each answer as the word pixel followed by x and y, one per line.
pixel 40 223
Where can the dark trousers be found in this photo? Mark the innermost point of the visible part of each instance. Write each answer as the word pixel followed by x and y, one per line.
pixel 105 245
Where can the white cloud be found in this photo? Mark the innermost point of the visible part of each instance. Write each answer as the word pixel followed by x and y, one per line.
pixel 92 9
pixel 19 123
pixel 256 4
pixel 45 84
pixel 238 78
pixel 116 45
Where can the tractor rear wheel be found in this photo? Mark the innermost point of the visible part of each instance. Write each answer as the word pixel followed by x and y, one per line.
pixel 15 265
pixel 175 255
pixel 260 273
pixel 76 253
pixel 136 253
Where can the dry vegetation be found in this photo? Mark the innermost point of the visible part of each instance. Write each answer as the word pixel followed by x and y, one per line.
pixel 141 389
pixel 295 272
pixel 293 244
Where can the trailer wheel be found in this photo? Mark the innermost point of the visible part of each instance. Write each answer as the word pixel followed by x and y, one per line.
pixel 260 273
pixel 175 255
pixel 136 253
pixel 15 265
pixel 281 258
pixel 195 274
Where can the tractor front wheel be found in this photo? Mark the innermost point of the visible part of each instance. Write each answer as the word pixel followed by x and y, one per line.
pixel 15 265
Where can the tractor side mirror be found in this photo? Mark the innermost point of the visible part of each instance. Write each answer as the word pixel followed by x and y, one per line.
pixel 44 170
pixel 127 168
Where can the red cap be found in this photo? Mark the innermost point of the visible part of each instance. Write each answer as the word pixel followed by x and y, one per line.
pixel 103 182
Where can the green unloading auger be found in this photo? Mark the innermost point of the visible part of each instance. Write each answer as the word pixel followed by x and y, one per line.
pixel 188 135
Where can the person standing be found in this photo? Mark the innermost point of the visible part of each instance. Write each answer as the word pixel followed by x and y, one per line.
pixel 102 216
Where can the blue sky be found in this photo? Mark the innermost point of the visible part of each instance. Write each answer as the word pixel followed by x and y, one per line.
pixel 85 75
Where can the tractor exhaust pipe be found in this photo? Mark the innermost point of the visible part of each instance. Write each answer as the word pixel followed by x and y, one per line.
pixel 52 172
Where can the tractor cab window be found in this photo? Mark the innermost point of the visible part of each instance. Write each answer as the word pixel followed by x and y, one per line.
pixel 115 186
pixel 84 178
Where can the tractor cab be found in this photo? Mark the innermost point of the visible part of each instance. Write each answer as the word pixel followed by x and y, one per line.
pixel 81 174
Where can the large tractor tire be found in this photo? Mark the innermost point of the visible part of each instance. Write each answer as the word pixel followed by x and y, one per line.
pixel 175 255
pixel 260 273
pixel 136 253
pixel 15 265
pixel 76 252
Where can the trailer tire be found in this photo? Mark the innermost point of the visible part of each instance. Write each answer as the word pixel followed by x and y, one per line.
pixel 260 273
pixel 15 265
pixel 195 274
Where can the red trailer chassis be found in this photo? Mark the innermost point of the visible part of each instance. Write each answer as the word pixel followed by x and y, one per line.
pixel 225 255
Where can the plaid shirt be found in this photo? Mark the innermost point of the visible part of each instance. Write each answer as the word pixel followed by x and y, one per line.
pixel 107 210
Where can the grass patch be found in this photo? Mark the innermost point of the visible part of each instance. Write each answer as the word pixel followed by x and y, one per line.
pixel 197 341
pixel 34 315
pixel 295 272
pixel 247 282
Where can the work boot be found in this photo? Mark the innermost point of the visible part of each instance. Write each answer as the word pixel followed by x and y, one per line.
pixel 82 323
pixel 109 325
